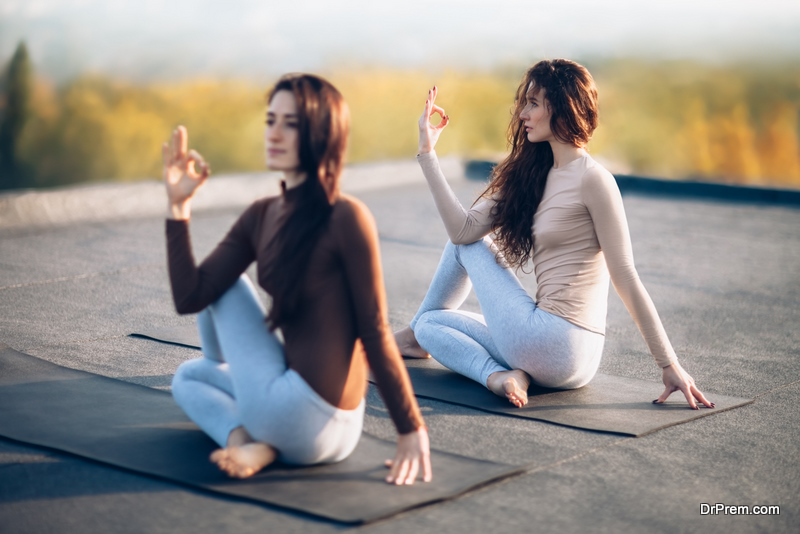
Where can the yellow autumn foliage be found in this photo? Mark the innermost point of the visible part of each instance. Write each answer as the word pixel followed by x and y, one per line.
pixel 737 124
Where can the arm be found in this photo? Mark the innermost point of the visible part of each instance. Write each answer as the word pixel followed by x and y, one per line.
pixel 604 202
pixel 193 288
pixel 357 238
pixel 462 226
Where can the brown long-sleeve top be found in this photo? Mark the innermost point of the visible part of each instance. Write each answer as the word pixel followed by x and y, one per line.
pixel 343 301
pixel 580 238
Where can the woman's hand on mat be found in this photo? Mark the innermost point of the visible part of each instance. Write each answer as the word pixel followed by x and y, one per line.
pixel 413 449
pixel 428 132
pixel 677 379
pixel 184 172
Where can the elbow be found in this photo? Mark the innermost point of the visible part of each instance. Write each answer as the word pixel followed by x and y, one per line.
pixel 461 237
pixel 464 239
pixel 187 306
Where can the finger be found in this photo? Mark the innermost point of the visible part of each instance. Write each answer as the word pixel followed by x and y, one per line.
pixel 442 115
pixel 664 396
pixel 165 154
pixel 423 119
pixel 398 472
pixel 427 472
pixel 689 397
pixel 702 398
pixel 173 143
pixel 388 463
pixel 182 144
pixel 413 470
pixel 195 157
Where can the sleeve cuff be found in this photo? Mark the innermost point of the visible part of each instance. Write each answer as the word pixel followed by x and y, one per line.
pixel 427 157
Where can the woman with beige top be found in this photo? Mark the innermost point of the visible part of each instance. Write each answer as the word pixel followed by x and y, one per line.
pixel 551 203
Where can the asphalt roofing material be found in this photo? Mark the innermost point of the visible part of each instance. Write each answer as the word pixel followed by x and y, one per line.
pixel 725 278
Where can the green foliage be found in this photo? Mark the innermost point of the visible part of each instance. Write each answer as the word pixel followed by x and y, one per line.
pixel 671 119
pixel 15 113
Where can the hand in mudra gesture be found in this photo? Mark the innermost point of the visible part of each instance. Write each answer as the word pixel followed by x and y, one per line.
pixel 184 170
pixel 428 132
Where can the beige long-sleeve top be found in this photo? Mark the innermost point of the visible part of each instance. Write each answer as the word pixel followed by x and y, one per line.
pixel 581 238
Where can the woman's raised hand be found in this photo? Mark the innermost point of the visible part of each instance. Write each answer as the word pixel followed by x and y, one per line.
pixel 677 379
pixel 428 132
pixel 184 172
pixel 413 451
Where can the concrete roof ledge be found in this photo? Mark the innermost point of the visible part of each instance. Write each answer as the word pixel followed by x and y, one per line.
pixel 109 201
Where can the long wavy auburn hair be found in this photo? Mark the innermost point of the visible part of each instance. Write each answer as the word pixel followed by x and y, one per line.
pixel 518 182
pixel 323 127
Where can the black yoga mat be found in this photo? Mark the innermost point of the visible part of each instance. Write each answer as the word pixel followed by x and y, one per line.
pixel 183 335
pixel 143 430
pixel 608 404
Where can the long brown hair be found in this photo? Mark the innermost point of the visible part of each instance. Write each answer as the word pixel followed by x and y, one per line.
pixel 323 127
pixel 518 182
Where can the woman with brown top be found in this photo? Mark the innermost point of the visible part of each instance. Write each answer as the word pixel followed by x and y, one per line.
pixel 551 203
pixel 316 251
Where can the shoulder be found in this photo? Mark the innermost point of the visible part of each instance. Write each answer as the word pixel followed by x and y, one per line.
pixel 596 181
pixel 350 212
pixel 597 176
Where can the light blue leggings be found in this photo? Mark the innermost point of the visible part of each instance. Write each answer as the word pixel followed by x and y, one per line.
pixel 512 333
pixel 242 379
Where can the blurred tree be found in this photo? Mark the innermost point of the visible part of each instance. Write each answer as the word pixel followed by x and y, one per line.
pixel 15 112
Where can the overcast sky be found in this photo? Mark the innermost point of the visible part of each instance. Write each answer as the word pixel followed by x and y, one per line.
pixel 152 39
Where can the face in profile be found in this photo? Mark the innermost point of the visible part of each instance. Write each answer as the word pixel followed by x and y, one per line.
pixel 535 116
pixel 282 137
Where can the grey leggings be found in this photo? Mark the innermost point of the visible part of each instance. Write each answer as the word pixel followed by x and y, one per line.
pixel 242 380
pixel 512 333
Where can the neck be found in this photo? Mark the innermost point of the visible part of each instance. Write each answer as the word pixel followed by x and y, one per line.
pixel 563 153
pixel 293 178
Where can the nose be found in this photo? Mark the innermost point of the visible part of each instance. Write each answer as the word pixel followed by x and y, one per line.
pixel 524 113
pixel 272 133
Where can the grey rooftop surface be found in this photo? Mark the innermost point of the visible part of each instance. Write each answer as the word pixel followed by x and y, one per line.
pixel 82 268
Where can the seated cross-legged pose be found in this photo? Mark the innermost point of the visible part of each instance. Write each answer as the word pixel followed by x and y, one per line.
pixel 316 250
pixel 551 203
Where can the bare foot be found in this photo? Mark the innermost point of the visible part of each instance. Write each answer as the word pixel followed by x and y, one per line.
pixel 408 345
pixel 510 384
pixel 245 460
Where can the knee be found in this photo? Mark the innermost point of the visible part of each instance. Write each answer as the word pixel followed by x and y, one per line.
pixel 181 380
pixel 479 247
pixel 427 327
pixel 183 373
pixel 189 371
pixel 424 322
